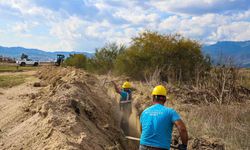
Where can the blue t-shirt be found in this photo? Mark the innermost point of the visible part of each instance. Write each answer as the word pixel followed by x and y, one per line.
pixel 125 95
pixel 157 123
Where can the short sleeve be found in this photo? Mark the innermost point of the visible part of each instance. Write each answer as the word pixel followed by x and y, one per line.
pixel 141 116
pixel 175 116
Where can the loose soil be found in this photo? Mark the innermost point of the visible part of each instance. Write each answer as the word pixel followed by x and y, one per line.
pixel 70 110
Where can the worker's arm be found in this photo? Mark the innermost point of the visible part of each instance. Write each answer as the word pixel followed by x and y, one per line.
pixel 116 88
pixel 182 130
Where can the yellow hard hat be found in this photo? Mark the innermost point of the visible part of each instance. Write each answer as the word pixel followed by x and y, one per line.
pixel 126 85
pixel 159 90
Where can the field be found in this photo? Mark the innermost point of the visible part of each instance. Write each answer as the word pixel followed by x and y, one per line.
pixel 231 123
pixel 11 74
pixel 245 77
pixel 7 81
pixel 14 68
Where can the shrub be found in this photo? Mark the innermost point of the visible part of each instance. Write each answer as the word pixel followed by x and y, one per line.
pixel 104 58
pixel 76 60
pixel 176 56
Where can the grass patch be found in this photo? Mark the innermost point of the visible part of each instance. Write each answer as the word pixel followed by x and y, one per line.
pixel 245 78
pixel 13 68
pixel 7 81
pixel 230 123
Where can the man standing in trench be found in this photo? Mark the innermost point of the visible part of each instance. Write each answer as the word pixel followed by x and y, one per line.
pixel 125 104
pixel 157 123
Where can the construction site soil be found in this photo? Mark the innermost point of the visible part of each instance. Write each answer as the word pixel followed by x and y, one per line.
pixel 70 111
pixel 67 108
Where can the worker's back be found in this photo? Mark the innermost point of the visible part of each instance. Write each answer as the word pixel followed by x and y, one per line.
pixel 157 124
pixel 126 95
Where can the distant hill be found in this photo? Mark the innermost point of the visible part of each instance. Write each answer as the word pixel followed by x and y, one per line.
pixel 36 54
pixel 238 51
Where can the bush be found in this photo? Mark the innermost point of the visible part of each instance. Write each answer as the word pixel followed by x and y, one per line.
pixel 104 58
pixel 76 60
pixel 177 57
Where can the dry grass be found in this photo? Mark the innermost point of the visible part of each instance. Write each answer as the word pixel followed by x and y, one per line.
pixel 7 81
pixel 245 77
pixel 14 68
pixel 229 122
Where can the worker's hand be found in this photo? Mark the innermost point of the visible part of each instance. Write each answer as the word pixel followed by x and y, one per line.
pixel 182 147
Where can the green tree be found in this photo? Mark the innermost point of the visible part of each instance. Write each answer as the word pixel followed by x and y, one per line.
pixel 104 58
pixel 76 60
pixel 174 55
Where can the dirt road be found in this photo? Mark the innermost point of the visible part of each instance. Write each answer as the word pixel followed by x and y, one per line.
pixel 13 103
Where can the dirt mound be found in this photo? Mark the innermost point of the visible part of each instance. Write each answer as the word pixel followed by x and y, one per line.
pixel 72 111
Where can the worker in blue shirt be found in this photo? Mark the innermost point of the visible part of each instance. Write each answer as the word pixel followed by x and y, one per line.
pixel 125 104
pixel 157 123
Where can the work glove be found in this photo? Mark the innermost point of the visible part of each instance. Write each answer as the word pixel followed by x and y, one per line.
pixel 182 147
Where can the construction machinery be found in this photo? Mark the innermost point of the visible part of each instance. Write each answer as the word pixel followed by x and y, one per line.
pixel 59 60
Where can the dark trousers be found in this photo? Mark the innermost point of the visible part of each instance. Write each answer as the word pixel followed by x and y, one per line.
pixel 143 147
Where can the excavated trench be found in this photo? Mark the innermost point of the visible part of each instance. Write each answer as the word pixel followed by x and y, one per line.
pixel 129 120
pixel 132 126
pixel 134 123
pixel 80 110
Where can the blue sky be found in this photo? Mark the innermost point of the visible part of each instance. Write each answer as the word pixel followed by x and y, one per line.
pixel 84 25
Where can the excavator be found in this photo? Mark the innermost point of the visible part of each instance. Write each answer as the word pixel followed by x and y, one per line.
pixel 59 60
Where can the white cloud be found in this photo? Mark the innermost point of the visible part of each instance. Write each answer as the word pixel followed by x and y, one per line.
pixel 101 5
pixel 192 27
pixel 207 28
pixel 68 32
pixel 236 31
pixel 73 30
pixel 245 15
pixel 136 15
pixel 199 7
pixel 130 11
pixel 27 10
pixel 23 27
pixel 26 7
pixel 1 31
pixel 66 29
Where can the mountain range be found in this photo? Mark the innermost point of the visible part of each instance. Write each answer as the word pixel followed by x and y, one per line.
pixel 35 54
pixel 239 51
